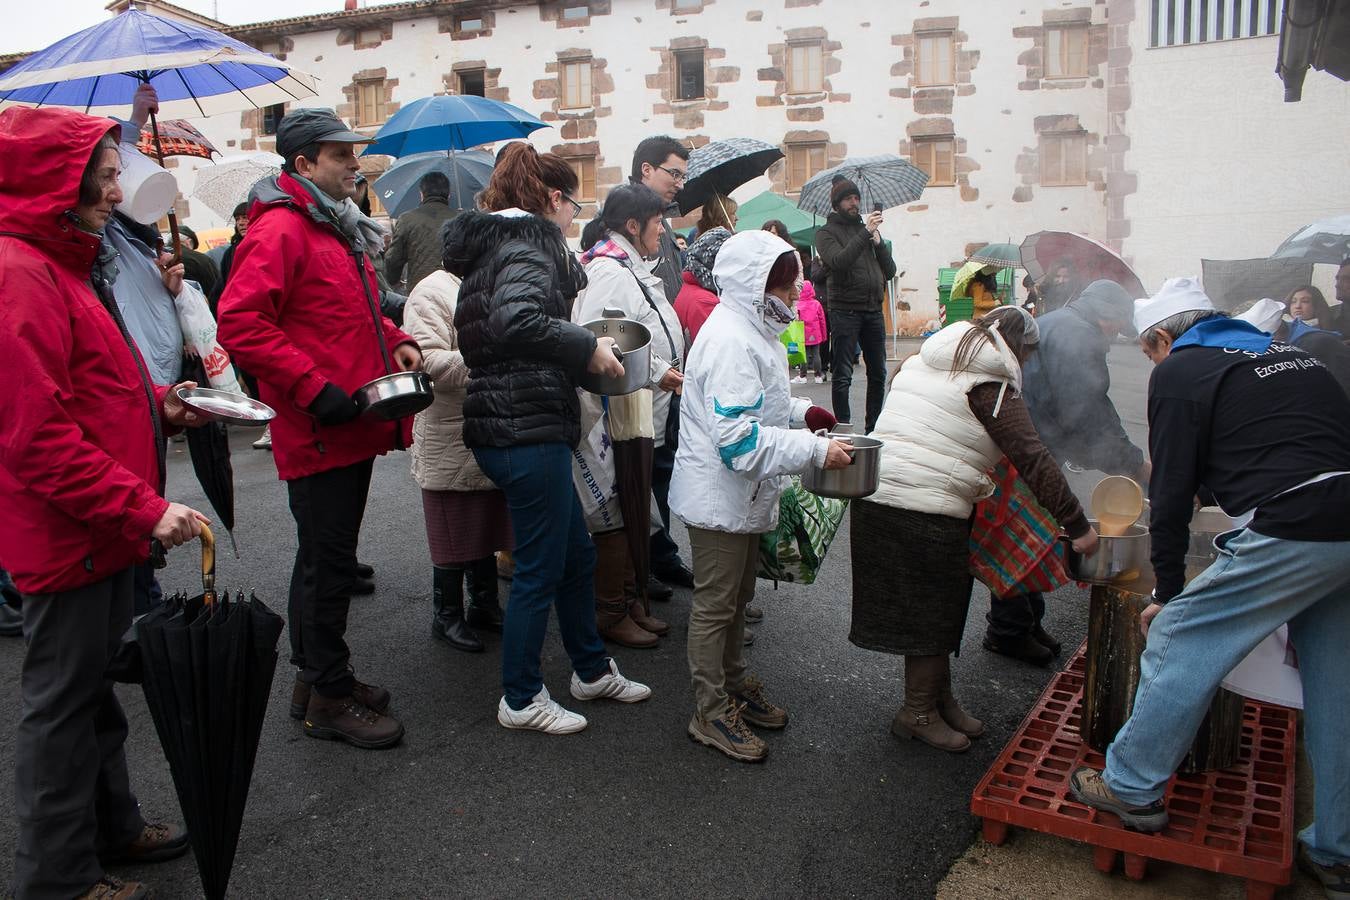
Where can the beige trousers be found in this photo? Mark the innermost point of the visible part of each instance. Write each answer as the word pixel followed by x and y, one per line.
pixel 724 582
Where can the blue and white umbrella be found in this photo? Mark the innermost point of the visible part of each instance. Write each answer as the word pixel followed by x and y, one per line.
pixel 194 70
pixel 887 179
pixel 450 122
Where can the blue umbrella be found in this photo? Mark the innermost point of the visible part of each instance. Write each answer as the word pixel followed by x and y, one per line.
pixel 468 173
pixel 451 123
pixel 195 71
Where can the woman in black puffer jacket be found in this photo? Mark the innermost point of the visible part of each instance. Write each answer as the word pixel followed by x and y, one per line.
pixel 522 421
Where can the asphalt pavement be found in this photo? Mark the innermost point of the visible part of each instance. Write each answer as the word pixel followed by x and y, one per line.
pixel 630 807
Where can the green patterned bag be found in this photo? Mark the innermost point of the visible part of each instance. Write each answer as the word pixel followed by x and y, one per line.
pixel 806 526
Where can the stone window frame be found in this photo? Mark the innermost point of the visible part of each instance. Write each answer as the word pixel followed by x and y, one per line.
pixel 263 119
pixel 459 30
pixel 788 47
pixel 578 164
pixel 919 37
pixel 350 110
pixel 1033 60
pixel 360 85
pixel 492 89
pixel 480 71
pixel 694 7
pixel 359 36
pixel 789 147
pixel 1078 135
pixel 573 4
pixel 933 140
pixel 587 97
pixel 678 56
pixel 1084 29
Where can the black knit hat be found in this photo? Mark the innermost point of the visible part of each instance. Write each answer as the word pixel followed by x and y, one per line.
pixel 841 187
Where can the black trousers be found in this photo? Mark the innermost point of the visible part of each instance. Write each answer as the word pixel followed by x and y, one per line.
pixel 328 508
pixel 665 553
pixel 73 795
pixel 867 329
pixel 1012 617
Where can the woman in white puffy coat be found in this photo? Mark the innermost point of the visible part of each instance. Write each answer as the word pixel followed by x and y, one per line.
pixel 952 412
pixel 736 448
pixel 466 515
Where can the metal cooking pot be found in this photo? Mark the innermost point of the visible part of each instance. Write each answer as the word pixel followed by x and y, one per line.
pixel 395 396
pixel 633 346
pixel 859 479
pixel 1118 560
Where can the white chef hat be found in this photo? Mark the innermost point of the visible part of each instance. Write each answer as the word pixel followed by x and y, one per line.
pixel 1177 295
pixel 1266 314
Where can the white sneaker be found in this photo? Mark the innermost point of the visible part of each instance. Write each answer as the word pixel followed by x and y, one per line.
pixel 543 714
pixel 610 686
pixel 264 442
pixel 819 380
pixel 800 379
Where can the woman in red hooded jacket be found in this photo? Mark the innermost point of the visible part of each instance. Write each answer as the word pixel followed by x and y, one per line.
pixel 80 462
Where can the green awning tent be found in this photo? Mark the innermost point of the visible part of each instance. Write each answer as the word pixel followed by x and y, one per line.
pixel 753 213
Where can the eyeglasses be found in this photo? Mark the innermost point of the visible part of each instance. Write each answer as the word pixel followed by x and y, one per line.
pixel 677 174
pixel 576 207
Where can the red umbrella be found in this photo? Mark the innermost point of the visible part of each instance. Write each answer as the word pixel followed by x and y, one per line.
pixel 1091 260
pixel 178 138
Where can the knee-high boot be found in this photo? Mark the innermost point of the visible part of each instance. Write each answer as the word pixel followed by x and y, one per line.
pixel 919 717
pixel 447 604
pixel 950 710
pixel 483 609
pixel 611 605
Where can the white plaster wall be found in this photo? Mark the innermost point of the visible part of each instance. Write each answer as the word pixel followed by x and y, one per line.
pixel 1226 168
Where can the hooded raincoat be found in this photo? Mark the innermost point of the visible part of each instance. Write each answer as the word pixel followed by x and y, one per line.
pixel 736 442
pixel 78 455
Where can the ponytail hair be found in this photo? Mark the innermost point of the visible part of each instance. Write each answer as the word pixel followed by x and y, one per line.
pixel 1015 326
pixel 523 178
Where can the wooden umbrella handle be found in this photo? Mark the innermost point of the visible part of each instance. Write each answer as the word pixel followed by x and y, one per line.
pixel 208 540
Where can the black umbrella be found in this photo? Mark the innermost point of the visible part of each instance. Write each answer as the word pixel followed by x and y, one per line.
pixel 722 166
pixel 209 448
pixel 207 665
pixel 631 433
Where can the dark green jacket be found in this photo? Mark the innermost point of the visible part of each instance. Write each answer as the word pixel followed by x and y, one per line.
pixel 859 269
pixel 417 244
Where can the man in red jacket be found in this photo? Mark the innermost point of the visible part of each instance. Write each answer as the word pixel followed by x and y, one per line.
pixel 80 455
pixel 301 313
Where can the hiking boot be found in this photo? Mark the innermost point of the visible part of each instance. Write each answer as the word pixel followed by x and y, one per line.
pixel 368 695
pixel 1090 788
pixel 157 842
pixel 1026 648
pixel 1047 639
pixel 728 733
pixel 749 639
pixel 1335 879
pixel 756 708
pixel 110 888
pixel 542 714
pixel 610 686
pixel 754 614
pixel 346 719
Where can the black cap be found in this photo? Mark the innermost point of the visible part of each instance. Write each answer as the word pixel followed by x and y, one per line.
pixel 301 127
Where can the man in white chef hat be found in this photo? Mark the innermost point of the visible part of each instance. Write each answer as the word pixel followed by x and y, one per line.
pixel 1264 427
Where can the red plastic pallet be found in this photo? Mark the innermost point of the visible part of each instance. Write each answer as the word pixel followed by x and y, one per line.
pixel 1238 821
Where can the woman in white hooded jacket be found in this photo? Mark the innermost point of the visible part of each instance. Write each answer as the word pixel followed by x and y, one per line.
pixel 736 448
pixel 952 412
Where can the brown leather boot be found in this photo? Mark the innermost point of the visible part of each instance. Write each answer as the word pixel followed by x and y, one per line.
pixel 374 696
pixel 611 606
pixel 919 717
pixel 110 888
pixel 344 719
pixel 950 710
pixel 637 610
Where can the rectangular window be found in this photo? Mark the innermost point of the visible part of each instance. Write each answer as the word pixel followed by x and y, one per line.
pixel 574 83
pixel 584 166
pixel 1175 22
pixel 686 5
pixel 370 102
pixel 468 24
pixel 369 36
pixel 471 81
pixel 575 12
pixel 271 116
pixel 805 68
pixel 1066 52
pixel 803 161
pixel 1063 158
pixel 937 157
pixel 271 48
pixel 689 75
pixel 933 58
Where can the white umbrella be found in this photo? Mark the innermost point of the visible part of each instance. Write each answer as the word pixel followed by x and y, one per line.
pixel 226 184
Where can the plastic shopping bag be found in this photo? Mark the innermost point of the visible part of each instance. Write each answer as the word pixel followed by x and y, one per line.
pixel 795 550
pixel 199 333
pixel 1269 673
pixel 795 341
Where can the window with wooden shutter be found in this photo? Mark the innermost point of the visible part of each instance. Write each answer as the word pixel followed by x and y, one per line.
pixel 937 157
pixel 803 161
pixel 370 102
pixel 1066 52
pixel 584 166
pixel 1063 158
pixel 933 58
pixel 805 68
pixel 574 83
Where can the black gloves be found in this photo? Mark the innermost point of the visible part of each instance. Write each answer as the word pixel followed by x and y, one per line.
pixel 333 406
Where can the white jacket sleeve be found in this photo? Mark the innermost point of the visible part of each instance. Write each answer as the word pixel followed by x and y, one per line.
pixel 744 443
pixel 611 284
pixel 797 415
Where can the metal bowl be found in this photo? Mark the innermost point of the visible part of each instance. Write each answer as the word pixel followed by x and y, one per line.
pixel 858 479
pixel 395 396
pixel 633 340
pixel 1118 560
pixel 224 406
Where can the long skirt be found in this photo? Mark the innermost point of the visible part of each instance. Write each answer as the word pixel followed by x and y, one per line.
pixel 463 526
pixel 911 580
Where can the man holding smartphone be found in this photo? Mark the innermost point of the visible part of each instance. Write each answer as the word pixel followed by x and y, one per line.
pixel 860 267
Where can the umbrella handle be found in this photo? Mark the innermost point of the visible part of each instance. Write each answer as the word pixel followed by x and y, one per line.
pixel 208 540
pixel 173 216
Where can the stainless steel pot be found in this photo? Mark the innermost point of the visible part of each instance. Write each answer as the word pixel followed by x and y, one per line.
pixel 395 396
pixel 859 479
pixel 633 343
pixel 1119 560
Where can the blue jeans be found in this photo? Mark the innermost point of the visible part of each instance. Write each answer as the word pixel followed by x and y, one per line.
pixel 555 565
pixel 1257 584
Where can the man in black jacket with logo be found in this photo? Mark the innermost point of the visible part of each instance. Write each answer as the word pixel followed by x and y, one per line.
pixel 1263 426
pixel 860 267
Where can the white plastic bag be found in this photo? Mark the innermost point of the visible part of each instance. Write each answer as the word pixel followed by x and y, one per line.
pixel 199 332
pixel 593 469
pixel 1269 673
